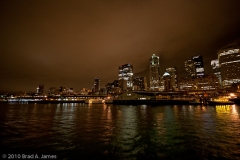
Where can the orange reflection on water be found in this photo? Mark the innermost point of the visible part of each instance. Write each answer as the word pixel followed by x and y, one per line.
pixel 229 109
pixel 161 129
pixel 235 115
pixel 107 113
pixel 223 109
pixel 234 111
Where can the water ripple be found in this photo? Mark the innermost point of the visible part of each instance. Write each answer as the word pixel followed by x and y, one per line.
pixel 75 131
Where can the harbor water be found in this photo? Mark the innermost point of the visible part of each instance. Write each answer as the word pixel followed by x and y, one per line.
pixel 107 131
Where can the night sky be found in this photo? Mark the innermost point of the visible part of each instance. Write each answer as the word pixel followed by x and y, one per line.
pixel 68 43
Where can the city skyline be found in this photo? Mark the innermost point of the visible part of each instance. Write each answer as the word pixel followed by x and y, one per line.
pixel 166 82
pixel 126 70
pixel 71 43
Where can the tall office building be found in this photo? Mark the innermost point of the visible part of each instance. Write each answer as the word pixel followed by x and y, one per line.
pixel 125 75
pixel 216 69
pixel 229 61
pixel 40 89
pixel 109 87
pixel 115 83
pixel 84 91
pixel 140 84
pixel 63 90
pixel 96 85
pixel 167 82
pixel 173 74
pixel 154 73
pixel 198 61
pixel 115 86
pixel 53 91
pixel 190 68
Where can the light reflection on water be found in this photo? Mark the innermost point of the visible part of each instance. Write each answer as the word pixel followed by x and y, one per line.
pixel 108 131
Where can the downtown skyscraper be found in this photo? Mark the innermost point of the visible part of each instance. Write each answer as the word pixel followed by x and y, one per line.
pixel 154 72
pixel 96 85
pixel 229 62
pixel 198 61
pixel 40 89
pixel 190 68
pixel 173 80
pixel 194 67
pixel 125 76
pixel 140 84
pixel 216 70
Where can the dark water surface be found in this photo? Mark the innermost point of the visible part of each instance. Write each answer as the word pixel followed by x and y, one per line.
pixel 100 131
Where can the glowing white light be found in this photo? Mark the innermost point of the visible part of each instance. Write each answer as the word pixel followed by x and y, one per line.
pixel 230 62
pixel 215 63
pixel 196 57
pixel 232 95
pixel 229 52
pixel 200 69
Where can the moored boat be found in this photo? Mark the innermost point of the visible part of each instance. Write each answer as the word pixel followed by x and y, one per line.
pixel 222 100
pixel 212 103
pixel 94 101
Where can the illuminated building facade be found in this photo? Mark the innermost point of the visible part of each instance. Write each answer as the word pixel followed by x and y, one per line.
pixel 140 84
pixel 116 87
pixel 154 73
pixel 216 69
pixel 186 84
pixel 167 82
pixel 70 91
pixel 161 84
pixel 173 74
pixel 109 87
pixel 190 68
pixel 125 73
pixel 198 61
pixel 84 91
pixel 123 85
pixel 103 91
pixel 96 85
pixel 63 90
pixel 40 89
pixel 115 83
pixel 206 82
pixel 229 61
pixel 53 91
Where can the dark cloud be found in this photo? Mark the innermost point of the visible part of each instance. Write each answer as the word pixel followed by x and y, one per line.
pixel 68 43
